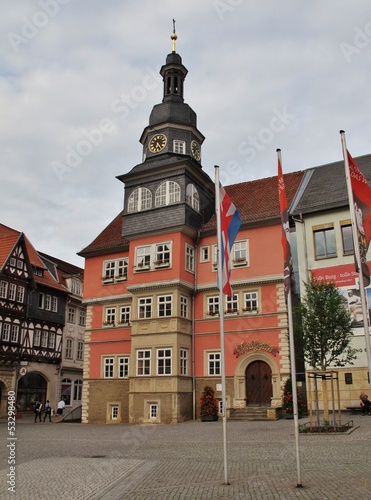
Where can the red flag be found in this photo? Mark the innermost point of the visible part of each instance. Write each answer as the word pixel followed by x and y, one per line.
pixel 285 237
pixel 230 224
pixel 362 212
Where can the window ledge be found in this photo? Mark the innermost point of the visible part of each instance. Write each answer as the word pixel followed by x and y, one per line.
pixel 142 268
pixel 238 263
pixel 160 264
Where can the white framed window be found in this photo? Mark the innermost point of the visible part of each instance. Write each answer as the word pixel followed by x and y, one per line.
pixel 108 269
pixel 183 361
pixel 12 262
pixel 12 291
pixel 48 302
pixel 153 410
pixel 240 253
pixel 54 304
pixel 145 307
pixel 20 294
pixel 77 390
pixel 143 256
pixel 66 390
pixel 123 367
pixel 167 193
pixel 41 301
pixel 184 306
pixel 68 349
pixel 164 303
pixel 108 367
pixel 114 412
pixel 80 350
pixel 250 301
pixel 205 254
pixel 164 361
pixel 140 199
pixel 110 316
pixel 37 338
pixel 232 304
pixel 213 361
pixel 51 340
pixel 192 197
pixel 212 305
pixel 71 315
pixel 14 334
pixel 44 338
pixel 6 332
pixel 190 258
pixel 179 147
pixel 115 270
pixel 76 287
pixel 125 315
pixel 3 289
pixel 143 362
pixel 162 254
pixel 82 317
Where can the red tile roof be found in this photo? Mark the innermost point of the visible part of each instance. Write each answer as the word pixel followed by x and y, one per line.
pixel 257 201
pixel 8 239
pixel 110 238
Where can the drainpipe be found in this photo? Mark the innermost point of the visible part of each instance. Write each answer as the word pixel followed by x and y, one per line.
pixel 193 329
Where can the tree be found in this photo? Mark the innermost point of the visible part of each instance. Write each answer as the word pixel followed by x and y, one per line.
pixel 325 330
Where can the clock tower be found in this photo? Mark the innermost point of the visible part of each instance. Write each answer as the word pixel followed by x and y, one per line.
pixel 172 155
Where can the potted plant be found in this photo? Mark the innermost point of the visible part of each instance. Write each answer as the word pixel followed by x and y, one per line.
pixel 287 400
pixel 208 405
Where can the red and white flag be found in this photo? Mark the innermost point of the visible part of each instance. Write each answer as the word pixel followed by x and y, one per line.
pixel 362 215
pixel 285 237
pixel 230 224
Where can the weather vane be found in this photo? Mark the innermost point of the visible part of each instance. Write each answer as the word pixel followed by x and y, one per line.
pixel 174 37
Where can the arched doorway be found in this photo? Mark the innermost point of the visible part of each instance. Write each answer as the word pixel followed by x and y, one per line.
pixel 258 383
pixel 31 387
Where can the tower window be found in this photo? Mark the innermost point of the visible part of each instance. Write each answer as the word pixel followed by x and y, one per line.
pixel 192 197
pixel 167 193
pixel 140 199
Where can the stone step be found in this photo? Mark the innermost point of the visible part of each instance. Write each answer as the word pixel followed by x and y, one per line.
pixel 249 413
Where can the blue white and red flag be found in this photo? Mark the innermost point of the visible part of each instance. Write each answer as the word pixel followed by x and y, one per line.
pixel 230 224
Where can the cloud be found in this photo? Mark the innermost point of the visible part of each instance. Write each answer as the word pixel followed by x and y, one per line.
pixel 76 68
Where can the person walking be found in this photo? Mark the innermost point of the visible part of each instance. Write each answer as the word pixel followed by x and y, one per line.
pixel 38 408
pixel 60 408
pixel 48 411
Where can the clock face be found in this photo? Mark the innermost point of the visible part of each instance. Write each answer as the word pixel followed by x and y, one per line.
pixel 157 143
pixel 195 150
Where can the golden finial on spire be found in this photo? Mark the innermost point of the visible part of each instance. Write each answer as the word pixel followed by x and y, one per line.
pixel 173 37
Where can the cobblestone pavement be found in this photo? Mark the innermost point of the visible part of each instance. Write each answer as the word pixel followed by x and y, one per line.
pixel 184 461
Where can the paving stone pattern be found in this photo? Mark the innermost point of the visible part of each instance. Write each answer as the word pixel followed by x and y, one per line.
pixel 185 461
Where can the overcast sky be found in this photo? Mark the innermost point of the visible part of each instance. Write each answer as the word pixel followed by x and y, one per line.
pixel 79 78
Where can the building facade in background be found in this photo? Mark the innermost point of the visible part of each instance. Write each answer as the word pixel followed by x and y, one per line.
pixel 33 304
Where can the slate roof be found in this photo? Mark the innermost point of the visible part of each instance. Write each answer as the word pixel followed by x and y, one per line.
pixel 324 187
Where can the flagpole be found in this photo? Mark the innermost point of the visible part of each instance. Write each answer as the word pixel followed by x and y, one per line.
pixel 357 254
pixel 221 320
pixel 293 371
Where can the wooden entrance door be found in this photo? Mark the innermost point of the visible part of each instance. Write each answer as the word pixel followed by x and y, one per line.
pixel 258 381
